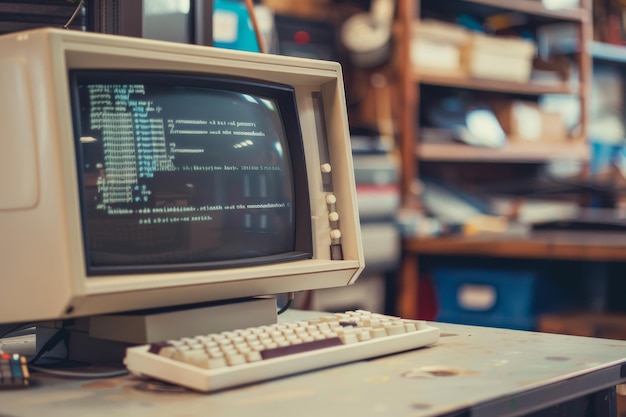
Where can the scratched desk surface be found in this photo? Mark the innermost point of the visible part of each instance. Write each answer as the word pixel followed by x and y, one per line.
pixel 488 371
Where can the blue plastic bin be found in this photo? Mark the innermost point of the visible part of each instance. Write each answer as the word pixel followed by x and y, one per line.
pixel 492 298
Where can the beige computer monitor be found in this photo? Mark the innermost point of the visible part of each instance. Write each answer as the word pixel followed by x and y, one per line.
pixel 43 251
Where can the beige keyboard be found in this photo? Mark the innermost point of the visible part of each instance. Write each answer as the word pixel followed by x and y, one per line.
pixel 227 359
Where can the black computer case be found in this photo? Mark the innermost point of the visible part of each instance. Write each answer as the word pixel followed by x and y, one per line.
pixel 118 17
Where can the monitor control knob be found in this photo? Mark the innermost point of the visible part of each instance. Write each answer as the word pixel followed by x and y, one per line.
pixel 326 168
pixel 335 234
pixel 333 216
pixel 331 199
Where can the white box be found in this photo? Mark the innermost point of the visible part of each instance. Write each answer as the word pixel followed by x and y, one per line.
pixel 438 47
pixel 500 58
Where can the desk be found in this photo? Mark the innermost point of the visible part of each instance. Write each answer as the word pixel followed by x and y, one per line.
pixel 584 246
pixel 472 371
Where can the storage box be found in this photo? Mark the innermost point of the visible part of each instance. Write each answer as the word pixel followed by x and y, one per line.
pixel 439 47
pixel 493 298
pixel 446 49
pixel 526 121
pixel 500 58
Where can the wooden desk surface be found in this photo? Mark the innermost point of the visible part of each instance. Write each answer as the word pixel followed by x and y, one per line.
pixel 474 371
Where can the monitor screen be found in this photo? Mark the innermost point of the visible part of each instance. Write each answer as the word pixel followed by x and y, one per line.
pixel 183 171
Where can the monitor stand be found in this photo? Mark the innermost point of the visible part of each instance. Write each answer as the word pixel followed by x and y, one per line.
pixel 103 339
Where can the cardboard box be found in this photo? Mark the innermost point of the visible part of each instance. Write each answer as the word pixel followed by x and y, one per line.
pixel 526 121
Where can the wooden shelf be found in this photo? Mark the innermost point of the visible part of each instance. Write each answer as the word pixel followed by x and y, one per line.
pixel 512 152
pixel 595 246
pixel 530 88
pixel 534 7
pixel 608 52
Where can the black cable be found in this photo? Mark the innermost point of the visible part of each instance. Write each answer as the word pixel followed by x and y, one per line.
pixel 290 298
pixel 61 335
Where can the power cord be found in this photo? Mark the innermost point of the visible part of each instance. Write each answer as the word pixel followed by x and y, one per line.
pixel 74 15
pixel 290 298
pixel 61 335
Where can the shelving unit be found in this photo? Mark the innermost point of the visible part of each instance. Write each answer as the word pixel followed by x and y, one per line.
pixel 414 152
pixel 411 79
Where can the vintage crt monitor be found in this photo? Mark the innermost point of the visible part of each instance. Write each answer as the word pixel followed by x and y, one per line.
pixel 139 174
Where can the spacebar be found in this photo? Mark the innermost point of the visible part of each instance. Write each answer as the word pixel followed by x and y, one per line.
pixel 300 347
